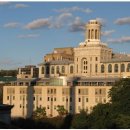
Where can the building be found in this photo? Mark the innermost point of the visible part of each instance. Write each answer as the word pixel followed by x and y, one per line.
pixel 76 78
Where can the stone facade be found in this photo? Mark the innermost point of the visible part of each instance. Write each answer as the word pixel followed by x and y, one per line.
pixel 76 78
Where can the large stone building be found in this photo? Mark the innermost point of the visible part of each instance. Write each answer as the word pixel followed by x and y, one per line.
pixel 76 78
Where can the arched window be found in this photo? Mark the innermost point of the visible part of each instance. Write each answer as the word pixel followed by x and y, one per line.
pixel 47 69
pixel 116 68
pixel 57 69
pixel 84 65
pixel 96 34
pixel 88 34
pixel 92 34
pixel 128 67
pixel 102 68
pixel 71 69
pixel 43 70
pixel 52 70
pixel 63 69
pixel 122 68
pixel 109 68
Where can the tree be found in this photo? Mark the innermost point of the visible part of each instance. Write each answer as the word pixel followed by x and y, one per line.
pixel 39 113
pixel 120 96
pixel 122 122
pixel 80 120
pixel 101 117
pixel 61 110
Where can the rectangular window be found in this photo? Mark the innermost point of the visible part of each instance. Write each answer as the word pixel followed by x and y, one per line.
pixel 79 91
pixel 40 98
pixel 48 98
pixel 86 99
pixel 79 99
pixel 96 58
pixel 70 99
pixel 48 107
pixel 34 98
pixel 13 97
pixel 7 97
pixel 55 99
pixel 20 106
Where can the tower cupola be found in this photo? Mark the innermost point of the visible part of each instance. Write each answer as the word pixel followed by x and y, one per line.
pixel 93 32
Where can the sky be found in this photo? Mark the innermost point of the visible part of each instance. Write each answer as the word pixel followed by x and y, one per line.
pixel 29 30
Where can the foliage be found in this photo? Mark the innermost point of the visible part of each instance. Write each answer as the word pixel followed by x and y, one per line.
pixel 122 122
pixel 120 96
pixel 61 110
pixel 12 73
pixel 101 117
pixel 39 113
pixel 80 120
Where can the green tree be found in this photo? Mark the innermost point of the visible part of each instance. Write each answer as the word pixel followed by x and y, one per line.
pixel 122 121
pixel 61 110
pixel 101 117
pixel 80 120
pixel 39 113
pixel 120 96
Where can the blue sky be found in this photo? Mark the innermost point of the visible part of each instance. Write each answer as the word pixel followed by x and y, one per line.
pixel 29 30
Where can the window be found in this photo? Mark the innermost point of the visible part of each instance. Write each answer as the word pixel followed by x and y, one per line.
pixel 116 68
pixel 70 107
pixel 122 68
pixel 96 58
pixel 48 98
pixel 128 67
pixel 20 106
pixel 71 69
pixel 79 91
pixel 57 69
pixel 79 99
pixel 96 68
pixel 42 70
pixel 96 34
pixel 34 98
pixel 48 107
pixel 55 99
pixel 102 68
pixel 70 99
pixel 109 68
pixel 52 70
pixel 63 69
pixel 86 99
pixel 40 98
pixel 7 97
pixel 13 97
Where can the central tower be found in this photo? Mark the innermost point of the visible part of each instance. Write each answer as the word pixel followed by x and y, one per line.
pixel 93 32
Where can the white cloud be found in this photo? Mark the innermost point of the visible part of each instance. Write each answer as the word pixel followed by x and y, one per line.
pixel 21 6
pixel 73 9
pixel 11 25
pixel 124 39
pixel 101 20
pixel 38 23
pixel 28 36
pixel 77 25
pixel 60 20
pixel 107 32
pixel 122 21
pixel 4 2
